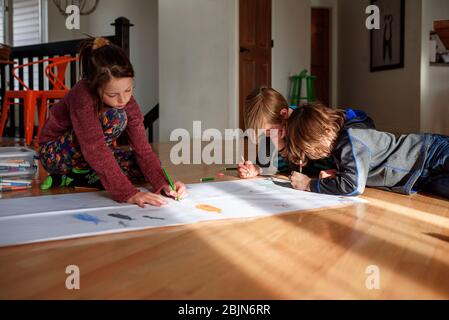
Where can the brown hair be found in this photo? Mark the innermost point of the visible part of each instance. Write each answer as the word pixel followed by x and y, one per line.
pixel 263 105
pixel 101 60
pixel 312 131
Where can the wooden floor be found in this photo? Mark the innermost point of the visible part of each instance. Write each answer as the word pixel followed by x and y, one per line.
pixel 321 254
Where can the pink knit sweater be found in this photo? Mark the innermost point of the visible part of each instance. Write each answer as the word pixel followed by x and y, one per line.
pixel 77 110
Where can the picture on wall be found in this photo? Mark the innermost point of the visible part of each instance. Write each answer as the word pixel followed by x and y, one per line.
pixel 387 43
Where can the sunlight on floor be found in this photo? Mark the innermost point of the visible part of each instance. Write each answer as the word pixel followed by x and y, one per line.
pixel 423 216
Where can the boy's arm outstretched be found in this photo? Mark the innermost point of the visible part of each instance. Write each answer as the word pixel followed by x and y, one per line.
pixel 352 158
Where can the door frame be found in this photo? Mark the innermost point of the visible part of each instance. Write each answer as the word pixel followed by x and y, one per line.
pixel 333 56
pixel 234 78
pixel 234 103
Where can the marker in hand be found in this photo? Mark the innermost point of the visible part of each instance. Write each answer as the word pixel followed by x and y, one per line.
pixel 243 159
pixel 170 182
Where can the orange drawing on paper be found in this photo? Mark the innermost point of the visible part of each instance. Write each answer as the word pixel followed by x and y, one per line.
pixel 209 208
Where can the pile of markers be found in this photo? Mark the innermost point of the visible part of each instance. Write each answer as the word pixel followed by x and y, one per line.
pixel 15 165
pixel 14 184
pixel 11 170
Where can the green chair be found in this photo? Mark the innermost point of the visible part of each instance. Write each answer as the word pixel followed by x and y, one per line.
pixel 296 88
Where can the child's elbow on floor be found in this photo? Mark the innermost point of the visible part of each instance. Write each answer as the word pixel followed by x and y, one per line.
pixel 357 191
pixel 352 190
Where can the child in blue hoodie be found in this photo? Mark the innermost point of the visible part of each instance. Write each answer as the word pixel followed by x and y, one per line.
pixel 363 155
pixel 266 109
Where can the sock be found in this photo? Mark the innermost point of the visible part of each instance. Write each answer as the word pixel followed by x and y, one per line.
pixel 83 178
pixel 52 181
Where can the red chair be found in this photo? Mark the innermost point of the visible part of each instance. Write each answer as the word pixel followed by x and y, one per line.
pixel 31 97
pixel 59 89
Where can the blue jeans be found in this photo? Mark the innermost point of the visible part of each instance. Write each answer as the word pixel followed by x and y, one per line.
pixel 435 176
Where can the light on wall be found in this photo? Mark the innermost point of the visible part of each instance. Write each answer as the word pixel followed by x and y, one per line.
pixel 86 6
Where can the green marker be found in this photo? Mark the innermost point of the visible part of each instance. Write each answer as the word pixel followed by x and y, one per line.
pixel 170 182
pixel 207 179
pixel 231 168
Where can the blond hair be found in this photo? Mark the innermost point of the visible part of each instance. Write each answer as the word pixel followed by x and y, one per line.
pixel 263 106
pixel 312 131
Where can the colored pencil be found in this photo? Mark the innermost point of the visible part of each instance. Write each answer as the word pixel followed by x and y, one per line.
pixel 14 181
pixel 86 188
pixel 7 188
pixel 170 182
pixel 243 159
pixel 207 179
pixel 15 164
pixel 13 184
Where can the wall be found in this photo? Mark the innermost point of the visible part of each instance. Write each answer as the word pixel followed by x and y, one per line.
pixel 199 58
pixel 333 6
pixel 391 98
pixel 56 25
pixel 434 80
pixel 143 39
pixel 292 41
pixel 197 52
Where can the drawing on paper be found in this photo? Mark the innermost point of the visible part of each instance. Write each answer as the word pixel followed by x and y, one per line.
pixel 122 224
pixel 86 214
pixel 282 205
pixel 155 218
pixel 87 217
pixel 208 208
pixel 120 216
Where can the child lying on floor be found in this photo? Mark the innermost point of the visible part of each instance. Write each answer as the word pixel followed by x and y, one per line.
pixel 363 156
pixel 265 110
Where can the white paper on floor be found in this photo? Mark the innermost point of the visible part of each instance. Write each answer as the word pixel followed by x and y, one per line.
pixel 35 219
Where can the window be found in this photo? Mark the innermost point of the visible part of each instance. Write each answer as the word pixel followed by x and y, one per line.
pixel 2 21
pixel 24 24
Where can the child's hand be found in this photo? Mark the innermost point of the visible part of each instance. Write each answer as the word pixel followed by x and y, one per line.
pixel 247 170
pixel 328 174
pixel 300 181
pixel 141 198
pixel 180 193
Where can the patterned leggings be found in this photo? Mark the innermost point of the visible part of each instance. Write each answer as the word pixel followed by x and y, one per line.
pixel 63 154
